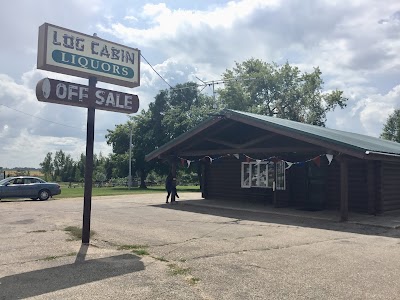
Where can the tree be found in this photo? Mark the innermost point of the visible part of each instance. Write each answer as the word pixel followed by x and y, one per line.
pixel 48 167
pixel 391 130
pixel 172 113
pixel 59 163
pixel 281 91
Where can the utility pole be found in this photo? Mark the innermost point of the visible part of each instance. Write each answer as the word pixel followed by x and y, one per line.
pixel 213 88
pixel 130 159
pixel 214 103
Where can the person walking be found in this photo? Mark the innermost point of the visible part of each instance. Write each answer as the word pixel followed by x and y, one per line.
pixel 170 186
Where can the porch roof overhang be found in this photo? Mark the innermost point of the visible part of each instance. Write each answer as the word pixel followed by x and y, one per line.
pixel 230 132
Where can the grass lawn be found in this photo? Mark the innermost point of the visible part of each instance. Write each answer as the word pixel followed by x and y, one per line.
pixel 111 191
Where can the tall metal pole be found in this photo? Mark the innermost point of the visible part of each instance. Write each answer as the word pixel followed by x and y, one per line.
pixel 130 159
pixel 215 103
pixel 87 198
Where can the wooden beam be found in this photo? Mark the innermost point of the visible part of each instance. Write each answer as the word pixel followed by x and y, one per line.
pixel 276 150
pixel 182 138
pixel 344 190
pixel 281 130
pixel 241 146
pixel 258 140
pixel 214 132
pixel 224 143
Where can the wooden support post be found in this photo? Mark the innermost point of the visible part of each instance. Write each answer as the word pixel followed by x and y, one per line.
pixel 274 190
pixel 344 190
pixel 371 187
pixel 204 191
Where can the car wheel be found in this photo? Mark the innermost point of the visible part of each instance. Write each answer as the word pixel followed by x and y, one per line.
pixel 44 195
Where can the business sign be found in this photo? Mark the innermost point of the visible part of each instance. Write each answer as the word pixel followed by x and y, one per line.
pixel 68 93
pixel 69 52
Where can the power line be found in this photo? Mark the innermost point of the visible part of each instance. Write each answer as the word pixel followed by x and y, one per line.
pixel 33 116
pixel 205 83
pixel 155 70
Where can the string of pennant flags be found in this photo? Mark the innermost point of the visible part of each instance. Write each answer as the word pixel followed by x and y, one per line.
pixel 275 159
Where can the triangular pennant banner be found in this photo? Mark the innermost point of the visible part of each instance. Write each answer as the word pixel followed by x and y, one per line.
pixel 236 155
pixel 210 158
pixel 247 159
pixel 183 162
pixel 258 161
pixel 188 162
pixel 317 161
pixel 289 165
pixel 329 158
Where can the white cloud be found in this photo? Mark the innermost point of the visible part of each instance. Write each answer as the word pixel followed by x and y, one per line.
pixel 355 44
pixel 376 109
pixel 27 150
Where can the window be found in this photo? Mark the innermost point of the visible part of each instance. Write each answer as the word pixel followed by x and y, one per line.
pixel 263 175
pixel 280 176
pixel 246 175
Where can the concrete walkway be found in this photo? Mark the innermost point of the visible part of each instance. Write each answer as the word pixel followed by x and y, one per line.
pixel 388 220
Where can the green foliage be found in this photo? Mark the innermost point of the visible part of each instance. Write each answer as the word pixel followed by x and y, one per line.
pixel 47 167
pixel 172 113
pixel 64 168
pixel 141 252
pixel 177 270
pixel 281 91
pixel 391 130
pixel 130 247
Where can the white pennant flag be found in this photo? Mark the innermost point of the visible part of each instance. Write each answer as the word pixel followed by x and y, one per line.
pixel 289 164
pixel 236 155
pixel 211 159
pixel 258 161
pixel 188 162
pixel 329 157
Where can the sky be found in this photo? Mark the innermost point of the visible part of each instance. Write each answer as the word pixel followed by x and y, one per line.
pixel 356 45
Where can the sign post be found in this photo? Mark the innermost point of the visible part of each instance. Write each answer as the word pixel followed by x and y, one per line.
pixel 87 196
pixel 69 52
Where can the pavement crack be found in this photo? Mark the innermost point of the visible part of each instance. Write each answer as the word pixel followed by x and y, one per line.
pixel 277 247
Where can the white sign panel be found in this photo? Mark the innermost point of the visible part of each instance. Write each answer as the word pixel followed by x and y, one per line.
pixel 69 52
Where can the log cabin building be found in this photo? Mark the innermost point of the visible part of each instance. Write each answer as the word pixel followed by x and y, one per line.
pixel 250 157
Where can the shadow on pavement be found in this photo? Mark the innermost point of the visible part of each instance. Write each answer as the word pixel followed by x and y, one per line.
pixel 281 219
pixel 44 281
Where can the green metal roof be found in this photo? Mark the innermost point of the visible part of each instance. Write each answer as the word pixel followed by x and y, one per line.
pixel 351 140
pixel 362 146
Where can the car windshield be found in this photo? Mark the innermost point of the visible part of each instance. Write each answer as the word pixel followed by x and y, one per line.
pixel 3 181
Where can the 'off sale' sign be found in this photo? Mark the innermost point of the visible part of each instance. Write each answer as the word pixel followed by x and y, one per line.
pixel 68 93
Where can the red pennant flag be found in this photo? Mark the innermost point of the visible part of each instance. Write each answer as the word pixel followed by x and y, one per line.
pixel 247 159
pixel 183 162
pixel 317 161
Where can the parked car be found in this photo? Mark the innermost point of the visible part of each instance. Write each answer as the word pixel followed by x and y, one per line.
pixel 28 187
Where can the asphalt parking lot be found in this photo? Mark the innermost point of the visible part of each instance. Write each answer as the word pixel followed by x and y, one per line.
pixel 142 248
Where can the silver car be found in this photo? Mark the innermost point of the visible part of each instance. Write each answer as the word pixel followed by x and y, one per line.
pixel 28 187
